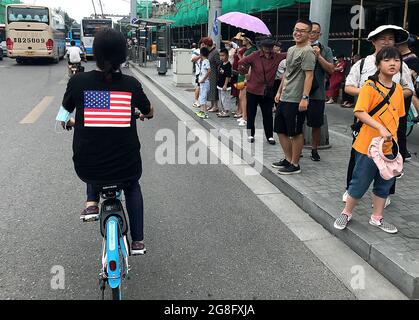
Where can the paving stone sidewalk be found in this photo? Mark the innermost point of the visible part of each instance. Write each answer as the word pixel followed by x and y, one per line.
pixel 318 191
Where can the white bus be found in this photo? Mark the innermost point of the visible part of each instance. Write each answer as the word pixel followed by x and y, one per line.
pixel 89 27
pixel 34 32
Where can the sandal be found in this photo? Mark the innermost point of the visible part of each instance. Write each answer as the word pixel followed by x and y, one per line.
pixel 238 115
pixel 224 114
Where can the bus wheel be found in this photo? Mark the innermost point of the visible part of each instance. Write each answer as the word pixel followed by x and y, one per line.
pixel 56 60
pixel 19 61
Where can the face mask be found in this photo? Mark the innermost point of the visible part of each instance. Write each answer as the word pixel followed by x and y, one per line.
pixel 63 115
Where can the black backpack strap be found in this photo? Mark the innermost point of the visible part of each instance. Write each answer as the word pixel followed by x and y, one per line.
pixel 361 67
pixel 385 100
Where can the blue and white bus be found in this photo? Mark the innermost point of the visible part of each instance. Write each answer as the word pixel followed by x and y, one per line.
pixel 74 35
pixel 89 27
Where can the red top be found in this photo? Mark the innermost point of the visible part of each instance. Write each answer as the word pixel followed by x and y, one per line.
pixel 259 64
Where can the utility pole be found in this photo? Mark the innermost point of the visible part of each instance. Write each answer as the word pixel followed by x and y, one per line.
pixel 214 26
pixel 320 12
pixel 133 13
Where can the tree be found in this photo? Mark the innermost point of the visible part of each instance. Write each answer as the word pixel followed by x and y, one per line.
pixel 68 22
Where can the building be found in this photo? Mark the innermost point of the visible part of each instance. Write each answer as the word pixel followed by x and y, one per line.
pixel 191 20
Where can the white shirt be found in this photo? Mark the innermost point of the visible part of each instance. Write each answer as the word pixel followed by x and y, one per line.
pixel 195 53
pixel 281 70
pixel 203 70
pixel 357 80
pixel 74 54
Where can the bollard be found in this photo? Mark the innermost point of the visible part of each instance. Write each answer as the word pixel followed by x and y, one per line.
pixel 324 136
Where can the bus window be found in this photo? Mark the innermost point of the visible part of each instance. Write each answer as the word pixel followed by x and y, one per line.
pixel 16 14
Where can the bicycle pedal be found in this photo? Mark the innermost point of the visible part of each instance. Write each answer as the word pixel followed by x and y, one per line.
pixel 89 219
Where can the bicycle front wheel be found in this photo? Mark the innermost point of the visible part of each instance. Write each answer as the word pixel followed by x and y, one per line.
pixel 116 293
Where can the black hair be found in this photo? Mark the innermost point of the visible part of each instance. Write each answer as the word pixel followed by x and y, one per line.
pixel 204 52
pixel 317 24
pixel 385 53
pixel 307 22
pixel 110 51
pixel 225 51
pixel 72 42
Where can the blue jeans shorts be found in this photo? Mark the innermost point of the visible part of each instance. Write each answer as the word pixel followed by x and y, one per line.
pixel 365 172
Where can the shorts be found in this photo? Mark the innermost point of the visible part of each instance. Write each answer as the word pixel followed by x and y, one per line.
pixel 288 120
pixel 365 172
pixel 203 91
pixel 315 113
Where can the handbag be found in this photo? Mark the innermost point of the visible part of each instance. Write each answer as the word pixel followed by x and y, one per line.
pixel 389 168
pixel 357 125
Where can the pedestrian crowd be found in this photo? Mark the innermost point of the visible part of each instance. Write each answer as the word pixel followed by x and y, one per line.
pixel 291 88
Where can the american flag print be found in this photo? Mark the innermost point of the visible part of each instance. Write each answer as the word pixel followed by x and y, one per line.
pixel 107 109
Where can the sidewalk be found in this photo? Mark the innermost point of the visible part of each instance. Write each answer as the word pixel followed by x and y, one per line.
pixel 318 191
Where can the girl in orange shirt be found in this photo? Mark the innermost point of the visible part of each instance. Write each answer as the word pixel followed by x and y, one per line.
pixel 383 123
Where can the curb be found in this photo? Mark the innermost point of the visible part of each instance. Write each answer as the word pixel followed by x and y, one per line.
pixel 362 242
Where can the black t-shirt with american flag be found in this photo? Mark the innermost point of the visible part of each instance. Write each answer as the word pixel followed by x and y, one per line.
pixel 106 147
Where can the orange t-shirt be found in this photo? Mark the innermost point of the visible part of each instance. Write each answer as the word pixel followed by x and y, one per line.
pixel 388 115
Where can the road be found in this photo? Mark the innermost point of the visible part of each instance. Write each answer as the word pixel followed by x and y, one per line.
pixel 208 235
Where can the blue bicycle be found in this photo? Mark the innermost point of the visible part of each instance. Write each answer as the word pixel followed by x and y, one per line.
pixel 115 248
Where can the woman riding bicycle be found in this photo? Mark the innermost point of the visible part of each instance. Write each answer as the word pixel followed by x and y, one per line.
pixel 106 148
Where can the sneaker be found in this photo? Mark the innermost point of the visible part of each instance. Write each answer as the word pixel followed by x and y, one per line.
pixel 383 225
pixel 345 196
pixel 342 221
pixel 271 141
pixel 388 202
pixel 408 156
pixel 242 123
pixel 138 248
pixel 330 101
pixel 291 169
pixel 400 175
pixel 281 164
pixel 315 155
pixel 90 214
pixel 251 139
pixel 196 104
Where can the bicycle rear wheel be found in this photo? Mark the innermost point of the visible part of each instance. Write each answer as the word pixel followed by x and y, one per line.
pixel 116 293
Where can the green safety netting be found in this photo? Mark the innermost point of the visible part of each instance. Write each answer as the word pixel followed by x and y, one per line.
pixel 3 4
pixel 142 8
pixel 193 12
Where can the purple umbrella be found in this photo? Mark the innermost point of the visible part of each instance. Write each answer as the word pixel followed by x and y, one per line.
pixel 245 21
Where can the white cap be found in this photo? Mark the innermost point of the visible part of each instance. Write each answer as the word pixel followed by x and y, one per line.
pixel 401 35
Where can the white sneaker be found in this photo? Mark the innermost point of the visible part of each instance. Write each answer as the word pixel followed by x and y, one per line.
pixel 345 196
pixel 242 123
pixel 388 202
pixel 196 104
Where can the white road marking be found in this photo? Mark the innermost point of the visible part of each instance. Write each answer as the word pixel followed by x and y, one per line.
pixel 38 110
